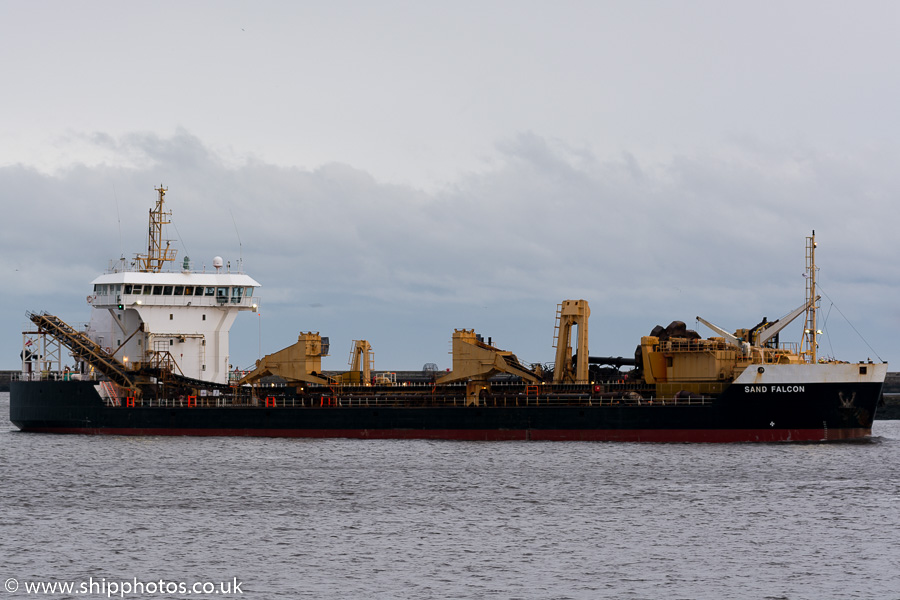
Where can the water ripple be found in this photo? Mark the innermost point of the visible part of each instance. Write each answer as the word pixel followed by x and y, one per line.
pixel 432 519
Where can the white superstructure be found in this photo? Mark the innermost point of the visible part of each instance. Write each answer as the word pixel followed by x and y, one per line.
pixel 180 319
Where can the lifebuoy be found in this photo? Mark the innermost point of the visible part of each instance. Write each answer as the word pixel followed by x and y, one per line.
pixel 108 350
pixel 90 299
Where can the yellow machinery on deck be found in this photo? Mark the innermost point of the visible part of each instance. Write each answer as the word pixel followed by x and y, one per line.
pixel 299 362
pixel 571 314
pixel 474 362
pixel 362 363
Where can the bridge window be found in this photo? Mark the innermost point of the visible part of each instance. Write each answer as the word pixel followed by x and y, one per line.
pixel 248 292
pixel 188 290
pixel 198 291
pixel 127 288
pixel 157 290
pixel 210 291
pixel 136 289
pixel 148 289
pixel 167 290
pixel 179 290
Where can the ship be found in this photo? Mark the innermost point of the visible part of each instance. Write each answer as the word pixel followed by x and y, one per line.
pixel 154 360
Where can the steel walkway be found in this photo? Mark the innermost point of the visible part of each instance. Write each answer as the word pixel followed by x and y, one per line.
pixel 84 348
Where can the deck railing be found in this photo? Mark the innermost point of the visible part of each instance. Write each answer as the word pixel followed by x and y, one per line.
pixel 409 401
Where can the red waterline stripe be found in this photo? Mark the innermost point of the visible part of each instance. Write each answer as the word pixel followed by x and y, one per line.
pixel 598 435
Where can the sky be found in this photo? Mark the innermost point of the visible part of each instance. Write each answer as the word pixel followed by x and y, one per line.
pixel 393 171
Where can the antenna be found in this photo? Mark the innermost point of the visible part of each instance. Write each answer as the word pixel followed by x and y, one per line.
pixel 240 245
pixel 119 220
pixel 180 239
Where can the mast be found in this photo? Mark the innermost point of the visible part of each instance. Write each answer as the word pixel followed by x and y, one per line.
pixel 809 344
pixel 157 255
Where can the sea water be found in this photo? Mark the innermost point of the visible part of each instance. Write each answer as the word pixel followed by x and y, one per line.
pixel 132 517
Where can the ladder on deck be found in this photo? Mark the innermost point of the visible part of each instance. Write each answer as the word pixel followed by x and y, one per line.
pixel 111 392
pixel 556 325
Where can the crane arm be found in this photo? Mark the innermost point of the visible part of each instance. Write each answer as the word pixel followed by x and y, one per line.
pixel 728 336
pixel 770 331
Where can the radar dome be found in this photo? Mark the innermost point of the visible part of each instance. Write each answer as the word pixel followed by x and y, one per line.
pixel 217 262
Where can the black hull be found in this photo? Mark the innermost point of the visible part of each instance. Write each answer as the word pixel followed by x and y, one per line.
pixel 823 411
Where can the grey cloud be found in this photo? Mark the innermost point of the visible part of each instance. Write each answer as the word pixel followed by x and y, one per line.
pixel 338 251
